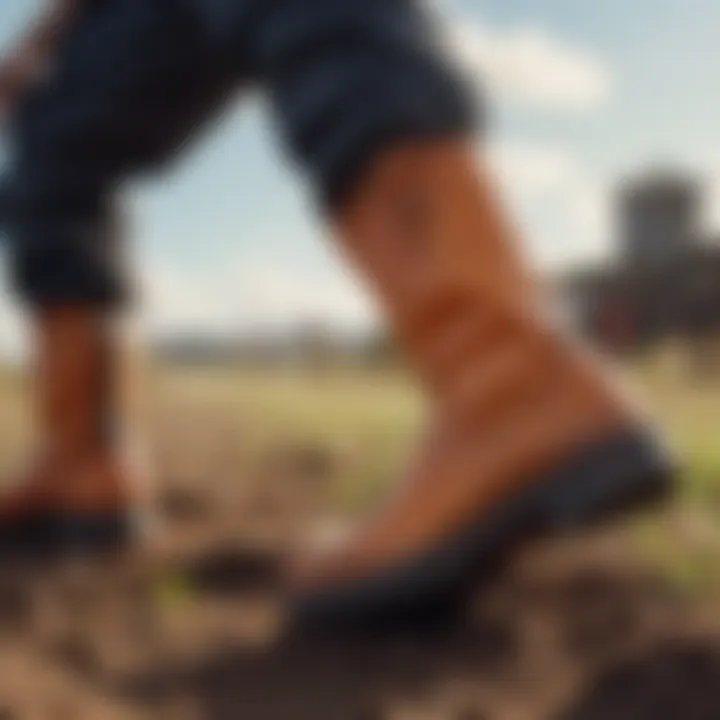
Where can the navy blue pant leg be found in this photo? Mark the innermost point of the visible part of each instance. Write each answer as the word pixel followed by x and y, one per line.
pixel 131 82
pixel 350 78
pixel 136 78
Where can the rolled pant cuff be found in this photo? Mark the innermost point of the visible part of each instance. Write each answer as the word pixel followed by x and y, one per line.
pixel 339 180
pixel 60 273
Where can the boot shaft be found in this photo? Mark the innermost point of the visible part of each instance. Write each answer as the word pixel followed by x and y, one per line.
pixel 427 230
pixel 76 371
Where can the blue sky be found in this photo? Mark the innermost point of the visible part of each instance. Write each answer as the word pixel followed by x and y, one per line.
pixel 582 92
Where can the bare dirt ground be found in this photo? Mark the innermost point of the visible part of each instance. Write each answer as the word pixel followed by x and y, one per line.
pixel 193 629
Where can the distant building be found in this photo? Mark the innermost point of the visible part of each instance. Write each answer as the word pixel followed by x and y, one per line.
pixel 659 219
pixel 666 280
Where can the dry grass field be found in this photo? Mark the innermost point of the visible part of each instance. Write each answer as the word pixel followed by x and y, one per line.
pixel 621 623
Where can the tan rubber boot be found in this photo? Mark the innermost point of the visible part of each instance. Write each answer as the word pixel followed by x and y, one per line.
pixel 79 495
pixel 527 434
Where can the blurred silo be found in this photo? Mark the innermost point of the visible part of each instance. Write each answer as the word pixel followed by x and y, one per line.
pixel 659 219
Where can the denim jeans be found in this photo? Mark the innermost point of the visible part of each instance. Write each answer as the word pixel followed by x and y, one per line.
pixel 136 80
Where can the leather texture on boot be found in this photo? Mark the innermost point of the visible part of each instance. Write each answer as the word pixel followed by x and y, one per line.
pixel 78 491
pixel 511 398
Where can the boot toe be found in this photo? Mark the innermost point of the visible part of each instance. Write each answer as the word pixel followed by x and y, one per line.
pixel 338 591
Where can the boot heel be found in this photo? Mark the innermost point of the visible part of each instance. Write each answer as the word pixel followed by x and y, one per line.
pixel 627 474
pixel 101 534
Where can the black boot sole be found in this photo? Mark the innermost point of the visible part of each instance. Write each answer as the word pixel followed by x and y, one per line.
pixel 627 473
pixel 54 536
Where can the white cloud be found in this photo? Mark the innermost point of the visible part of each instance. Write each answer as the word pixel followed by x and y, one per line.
pixel 563 211
pixel 13 339
pixel 253 294
pixel 529 67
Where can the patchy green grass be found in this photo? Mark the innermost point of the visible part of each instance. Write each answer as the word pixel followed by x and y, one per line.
pixel 686 540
